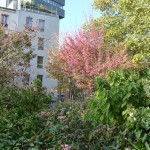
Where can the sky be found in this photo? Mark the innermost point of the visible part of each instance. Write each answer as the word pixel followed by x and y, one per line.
pixel 76 13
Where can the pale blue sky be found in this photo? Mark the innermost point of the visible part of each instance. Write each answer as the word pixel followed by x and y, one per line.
pixel 76 13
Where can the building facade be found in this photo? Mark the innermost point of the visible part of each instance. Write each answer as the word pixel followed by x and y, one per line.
pixel 45 16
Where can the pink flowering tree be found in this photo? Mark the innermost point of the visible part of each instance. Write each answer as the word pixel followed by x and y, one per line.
pixel 84 56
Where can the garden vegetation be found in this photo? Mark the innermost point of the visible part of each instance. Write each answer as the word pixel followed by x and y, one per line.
pixel 108 58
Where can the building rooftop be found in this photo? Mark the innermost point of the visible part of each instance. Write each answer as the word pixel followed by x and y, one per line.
pixel 52 5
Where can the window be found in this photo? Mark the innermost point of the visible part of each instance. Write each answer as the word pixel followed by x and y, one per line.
pixel 39 62
pixel 41 24
pixel 4 20
pixel 40 77
pixel 29 22
pixel 41 43
pixel 54 3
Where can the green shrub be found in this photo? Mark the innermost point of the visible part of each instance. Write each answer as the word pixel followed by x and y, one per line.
pixel 137 128
pixel 28 99
pixel 21 126
pixel 19 132
pixel 123 89
pixel 122 101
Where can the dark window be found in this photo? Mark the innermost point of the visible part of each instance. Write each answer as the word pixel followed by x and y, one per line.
pixel 41 24
pixel 41 43
pixel 4 20
pixel 39 62
pixel 40 77
pixel 29 22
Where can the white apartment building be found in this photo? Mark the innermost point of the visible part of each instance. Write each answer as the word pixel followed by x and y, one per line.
pixel 17 13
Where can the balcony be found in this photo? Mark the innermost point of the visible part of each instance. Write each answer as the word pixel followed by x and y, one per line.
pixel 52 7
pixel 39 10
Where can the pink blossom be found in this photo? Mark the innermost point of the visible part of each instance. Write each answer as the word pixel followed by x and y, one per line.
pixel 61 117
pixel 84 56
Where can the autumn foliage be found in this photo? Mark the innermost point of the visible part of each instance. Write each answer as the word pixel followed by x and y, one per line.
pixel 85 56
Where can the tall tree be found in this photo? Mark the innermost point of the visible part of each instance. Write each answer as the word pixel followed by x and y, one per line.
pixel 127 21
pixel 84 56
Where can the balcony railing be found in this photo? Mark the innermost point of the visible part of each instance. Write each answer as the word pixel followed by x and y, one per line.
pixel 39 10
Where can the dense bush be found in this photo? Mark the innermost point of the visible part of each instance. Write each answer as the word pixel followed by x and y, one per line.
pixel 20 123
pixel 28 99
pixel 63 127
pixel 121 90
pixel 122 100
pixel 19 132
pixel 66 127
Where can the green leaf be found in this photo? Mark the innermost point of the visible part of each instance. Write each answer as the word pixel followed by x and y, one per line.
pixel 147 146
pixel 144 138
pixel 138 134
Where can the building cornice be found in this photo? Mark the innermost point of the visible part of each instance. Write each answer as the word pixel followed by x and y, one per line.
pixel 8 9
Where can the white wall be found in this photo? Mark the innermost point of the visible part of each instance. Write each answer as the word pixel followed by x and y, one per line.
pixel 2 3
pixel 51 28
